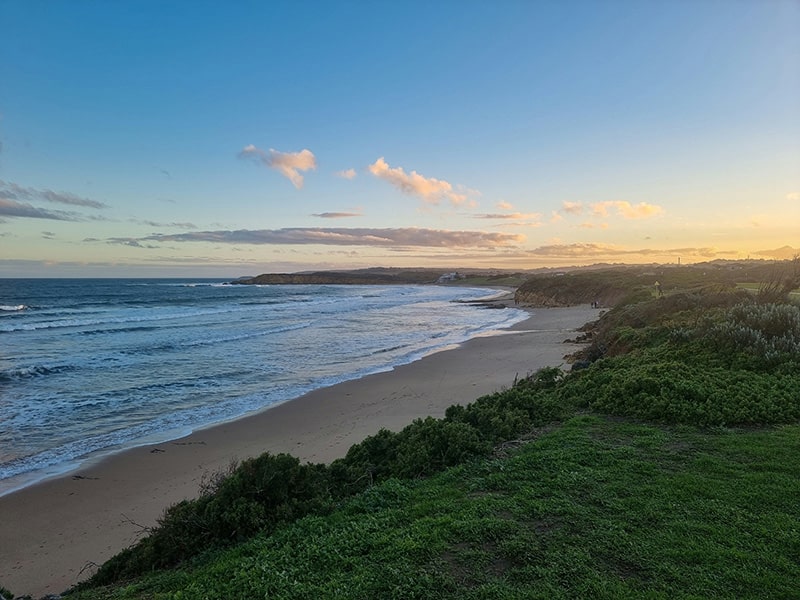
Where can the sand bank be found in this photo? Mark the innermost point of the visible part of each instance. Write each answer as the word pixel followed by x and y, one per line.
pixel 52 533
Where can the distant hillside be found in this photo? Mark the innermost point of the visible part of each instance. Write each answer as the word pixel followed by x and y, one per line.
pixel 610 286
pixel 566 286
pixel 387 276
pixel 365 277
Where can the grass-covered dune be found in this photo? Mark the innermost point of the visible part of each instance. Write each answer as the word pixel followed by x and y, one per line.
pixel 630 284
pixel 594 508
pixel 665 467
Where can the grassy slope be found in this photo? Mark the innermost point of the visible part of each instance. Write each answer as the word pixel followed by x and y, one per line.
pixel 600 508
pixel 593 506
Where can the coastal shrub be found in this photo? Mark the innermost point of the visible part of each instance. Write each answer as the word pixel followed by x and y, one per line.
pixel 492 423
pixel 365 463
pixel 769 334
pixel 504 415
pixel 641 324
pixel 648 386
pixel 424 447
pixel 431 445
pixel 255 497
pixel 262 492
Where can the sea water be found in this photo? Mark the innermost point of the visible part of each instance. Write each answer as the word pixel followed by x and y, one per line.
pixel 96 366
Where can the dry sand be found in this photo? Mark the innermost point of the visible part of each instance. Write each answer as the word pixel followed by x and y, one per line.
pixel 53 533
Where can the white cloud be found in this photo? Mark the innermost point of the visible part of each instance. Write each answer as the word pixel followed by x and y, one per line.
pixel 346 174
pixel 288 164
pixel 430 189
pixel 793 196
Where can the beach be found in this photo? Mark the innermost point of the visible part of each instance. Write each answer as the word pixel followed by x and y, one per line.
pixel 53 534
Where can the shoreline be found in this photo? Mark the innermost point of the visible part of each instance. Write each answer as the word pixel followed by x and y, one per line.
pixel 498 297
pixel 63 525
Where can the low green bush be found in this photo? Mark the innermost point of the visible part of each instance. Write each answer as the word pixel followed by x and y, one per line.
pixel 769 334
pixel 257 496
pixel 647 386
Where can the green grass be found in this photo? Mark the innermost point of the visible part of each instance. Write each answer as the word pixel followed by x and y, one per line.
pixel 595 508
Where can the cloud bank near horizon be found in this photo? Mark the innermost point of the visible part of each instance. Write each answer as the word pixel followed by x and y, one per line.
pixel 288 164
pixel 593 251
pixel 382 237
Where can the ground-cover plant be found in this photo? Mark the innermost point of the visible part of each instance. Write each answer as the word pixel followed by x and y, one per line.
pixel 595 508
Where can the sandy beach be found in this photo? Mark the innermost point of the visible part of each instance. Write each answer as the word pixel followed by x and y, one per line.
pixel 53 534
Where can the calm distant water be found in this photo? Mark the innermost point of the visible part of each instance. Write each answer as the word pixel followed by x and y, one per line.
pixel 99 365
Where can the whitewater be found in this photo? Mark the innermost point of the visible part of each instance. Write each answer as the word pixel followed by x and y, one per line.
pixel 91 367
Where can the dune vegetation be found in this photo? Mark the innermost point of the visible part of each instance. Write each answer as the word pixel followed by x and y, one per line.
pixel 662 465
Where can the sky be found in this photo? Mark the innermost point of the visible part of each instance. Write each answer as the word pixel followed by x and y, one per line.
pixel 224 139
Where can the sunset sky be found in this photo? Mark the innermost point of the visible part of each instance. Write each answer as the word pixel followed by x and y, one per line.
pixel 197 138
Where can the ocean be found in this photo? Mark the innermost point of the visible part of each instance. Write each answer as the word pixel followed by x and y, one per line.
pixel 90 367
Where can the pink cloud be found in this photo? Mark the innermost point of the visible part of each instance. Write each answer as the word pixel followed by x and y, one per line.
pixel 288 164
pixel 430 189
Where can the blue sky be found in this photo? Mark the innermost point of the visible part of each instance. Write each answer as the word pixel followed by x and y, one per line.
pixel 222 139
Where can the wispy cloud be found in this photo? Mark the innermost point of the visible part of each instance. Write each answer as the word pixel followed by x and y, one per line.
pixel 430 189
pixel 401 237
pixel 12 208
pixel 572 208
pixel 12 191
pixel 126 241
pixel 288 164
pixel 346 174
pixel 509 216
pixel 626 209
pixel 793 196
pixel 336 215
pixel 178 224
pixel 503 205
pixel 622 208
